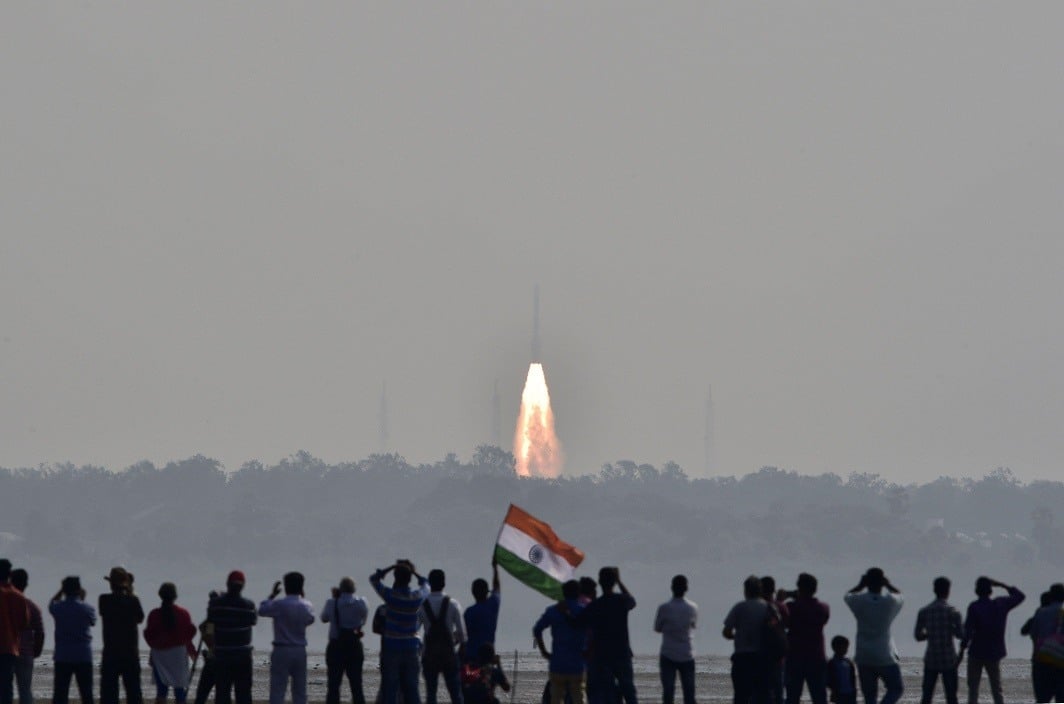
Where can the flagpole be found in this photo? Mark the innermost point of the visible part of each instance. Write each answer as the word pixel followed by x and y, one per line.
pixel 513 685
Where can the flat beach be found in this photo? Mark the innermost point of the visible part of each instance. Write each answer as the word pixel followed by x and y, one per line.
pixel 713 681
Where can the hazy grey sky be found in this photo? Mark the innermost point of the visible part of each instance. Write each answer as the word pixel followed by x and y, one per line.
pixel 225 225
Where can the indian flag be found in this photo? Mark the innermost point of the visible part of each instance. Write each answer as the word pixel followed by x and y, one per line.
pixel 529 550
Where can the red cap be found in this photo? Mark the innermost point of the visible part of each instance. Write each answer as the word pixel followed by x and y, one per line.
pixel 237 577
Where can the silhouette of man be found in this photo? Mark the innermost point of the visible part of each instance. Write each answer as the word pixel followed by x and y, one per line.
pixel 288 660
pixel 121 614
pixel 939 624
pixel 566 656
pixel 984 635
pixel 32 642
pixel 611 653
pixel 744 625
pixel 482 617
pixel 1048 681
pixel 346 615
pixel 875 655
pixel 774 666
pixel 14 619
pixel 675 621
pixel 74 620
pixel 399 643
pixel 441 618
pixel 806 658
pixel 232 617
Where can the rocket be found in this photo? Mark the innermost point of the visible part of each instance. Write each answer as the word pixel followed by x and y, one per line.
pixel 535 325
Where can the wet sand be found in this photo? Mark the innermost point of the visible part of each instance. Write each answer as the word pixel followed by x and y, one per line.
pixel 713 680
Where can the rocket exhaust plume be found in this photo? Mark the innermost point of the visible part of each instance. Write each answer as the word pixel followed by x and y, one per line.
pixel 536 447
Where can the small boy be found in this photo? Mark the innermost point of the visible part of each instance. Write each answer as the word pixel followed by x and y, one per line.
pixel 842 676
pixel 481 676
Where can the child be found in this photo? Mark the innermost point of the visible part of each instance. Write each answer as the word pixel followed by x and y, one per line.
pixel 842 676
pixel 481 676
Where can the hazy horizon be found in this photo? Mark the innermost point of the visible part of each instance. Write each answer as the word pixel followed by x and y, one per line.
pixel 226 227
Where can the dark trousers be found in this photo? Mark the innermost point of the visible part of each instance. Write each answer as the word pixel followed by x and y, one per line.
pixel 450 680
pixel 7 678
pixel 949 685
pixel 1048 682
pixel 774 669
pixel 400 668
pixel 128 669
pixel 81 672
pixel 232 671
pixel 24 679
pixel 806 673
pixel 669 669
pixel 206 679
pixel 341 662
pixel 611 680
pixel 749 674
pixel 869 676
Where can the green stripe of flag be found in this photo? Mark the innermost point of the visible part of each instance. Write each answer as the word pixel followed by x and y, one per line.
pixel 528 573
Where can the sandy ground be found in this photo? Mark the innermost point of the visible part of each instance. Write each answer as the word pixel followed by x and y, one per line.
pixel 713 682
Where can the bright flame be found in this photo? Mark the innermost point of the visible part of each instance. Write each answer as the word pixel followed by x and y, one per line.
pixel 536 447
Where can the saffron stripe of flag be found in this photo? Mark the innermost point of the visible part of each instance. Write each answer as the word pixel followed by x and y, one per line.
pixel 528 549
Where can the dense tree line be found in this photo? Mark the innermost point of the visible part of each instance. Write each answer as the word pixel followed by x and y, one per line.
pixel 302 506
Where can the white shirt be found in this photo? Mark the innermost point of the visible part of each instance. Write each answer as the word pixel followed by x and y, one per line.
pixel 453 616
pixel 675 620
pixel 291 616
pixel 874 614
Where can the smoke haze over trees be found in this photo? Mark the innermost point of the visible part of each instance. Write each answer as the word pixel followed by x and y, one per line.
pixel 191 522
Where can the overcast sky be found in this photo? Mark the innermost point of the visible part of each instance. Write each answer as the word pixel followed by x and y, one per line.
pixel 224 226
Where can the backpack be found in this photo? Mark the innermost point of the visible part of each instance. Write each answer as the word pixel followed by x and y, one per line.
pixel 773 635
pixel 346 638
pixel 439 643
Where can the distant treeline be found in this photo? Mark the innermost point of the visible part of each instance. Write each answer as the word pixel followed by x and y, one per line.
pixel 630 513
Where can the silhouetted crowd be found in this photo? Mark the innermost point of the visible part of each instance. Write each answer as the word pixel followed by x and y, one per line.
pixel 425 636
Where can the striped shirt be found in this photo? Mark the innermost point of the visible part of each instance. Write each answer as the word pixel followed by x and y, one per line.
pixel 232 616
pixel 401 617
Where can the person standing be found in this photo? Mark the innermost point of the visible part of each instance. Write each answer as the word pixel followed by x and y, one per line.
pixel 169 634
pixel 566 656
pixel 806 657
pixel 14 619
pixel 675 621
pixel 121 614
pixel 939 624
pixel 775 664
pixel 606 618
pixel 74 620
pixel 399 643
pixel 232 618
pixel 32 643
pixel 984 635
pixel 288 659
pixel 482 618
pixel 875 653
pixel 208 671
pixel 1048 620
pixel 744 625
pixel 441 619
pixel 346 615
